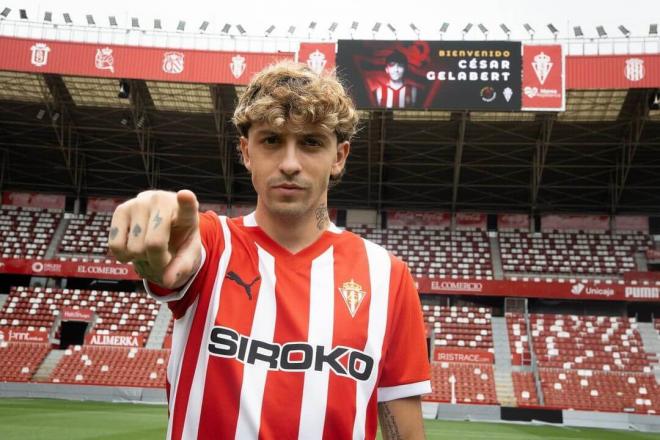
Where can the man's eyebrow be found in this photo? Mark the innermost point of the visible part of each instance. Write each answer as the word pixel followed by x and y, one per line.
pixel 266 131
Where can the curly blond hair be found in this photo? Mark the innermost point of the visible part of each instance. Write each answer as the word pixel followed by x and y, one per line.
pixel 292 94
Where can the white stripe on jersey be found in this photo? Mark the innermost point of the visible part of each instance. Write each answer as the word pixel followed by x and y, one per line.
pixel 180 334
pixel 263 329
pixel 196 397
pixel 321 327
pixel 379 276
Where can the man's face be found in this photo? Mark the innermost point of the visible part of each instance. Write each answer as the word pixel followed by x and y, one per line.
pixel 290 171
pixel 395 71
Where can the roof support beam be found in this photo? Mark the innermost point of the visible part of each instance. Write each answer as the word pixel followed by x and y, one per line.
pixel 140 103
pixel 220 120
pixel 538 160
pixel 458 158
pixel 631 139
pixel 381 156
pixel 66 132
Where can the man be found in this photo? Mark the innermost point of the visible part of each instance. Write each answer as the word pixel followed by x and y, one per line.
pixel 396 92
pixel 285 326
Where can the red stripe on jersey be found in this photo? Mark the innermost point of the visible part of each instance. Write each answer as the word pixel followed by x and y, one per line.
pixel 351 264
pixel 224 377
pixel 280 413
pixel 189 363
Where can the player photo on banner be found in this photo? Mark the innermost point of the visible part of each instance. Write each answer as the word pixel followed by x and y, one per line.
pixel 451 75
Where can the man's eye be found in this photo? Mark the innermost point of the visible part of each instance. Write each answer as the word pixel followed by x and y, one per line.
pixel 312 142
pixel 271 140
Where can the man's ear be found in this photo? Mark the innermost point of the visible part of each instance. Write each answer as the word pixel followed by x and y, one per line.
pixel 245 153
pixel 343 150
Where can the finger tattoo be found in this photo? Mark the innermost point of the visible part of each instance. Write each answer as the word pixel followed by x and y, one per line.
pixel 157 219
pixel 136 230
pixel 113 233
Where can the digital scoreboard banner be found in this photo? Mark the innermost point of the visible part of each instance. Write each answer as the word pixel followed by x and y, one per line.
pixel 443 75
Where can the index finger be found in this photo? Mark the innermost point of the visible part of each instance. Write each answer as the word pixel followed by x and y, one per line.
pixel 187 211
pixel 118 233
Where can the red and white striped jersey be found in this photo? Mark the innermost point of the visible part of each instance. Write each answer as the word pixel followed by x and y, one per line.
pixel 273 345
pixel 402 97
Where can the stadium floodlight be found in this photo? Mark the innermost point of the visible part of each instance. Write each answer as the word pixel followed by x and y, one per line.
pixel 354 25
pixel 601 31
pixel 204 26
pixel 225 29
pixel 553 29
pixel 23 14
pixel 444 27
pixel 270 29
pixel 483 29
pixel 577 30
pixel 124 89
pixel 624 31
pixel 55 117
pixel 241 29
pixel 653 29
pixel 90 20
pixel 67 18
pixel 112 20
pixel 135 23
pixel 466 29
pixel 506 30
pixel 312 25
pixel 158 24
pixel 530 30
pixel 333 26
pixel 48 17
pixel 392 28
pixel 291 30
pixel 40 114
pixel 5 12
pixel 376 27
pixel 181 26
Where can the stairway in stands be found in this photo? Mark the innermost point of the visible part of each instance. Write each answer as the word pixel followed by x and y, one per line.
pixel 503 380
pixel 159 330
pixel 651 341
pixel 47 366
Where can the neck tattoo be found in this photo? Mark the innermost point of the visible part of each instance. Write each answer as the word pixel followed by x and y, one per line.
pixel 321 214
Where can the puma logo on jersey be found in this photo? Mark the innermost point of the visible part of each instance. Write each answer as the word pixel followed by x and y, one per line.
pixel 292 356
pixel 233 276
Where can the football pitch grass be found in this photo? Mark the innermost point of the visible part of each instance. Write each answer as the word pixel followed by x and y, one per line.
pixel 28 419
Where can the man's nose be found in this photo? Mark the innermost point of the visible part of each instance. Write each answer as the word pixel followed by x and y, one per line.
pixel 290 162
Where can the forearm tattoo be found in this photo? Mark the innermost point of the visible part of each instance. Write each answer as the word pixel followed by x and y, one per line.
pixel 113 233
pixel 388 425
pixel 321 214
pixel 136 230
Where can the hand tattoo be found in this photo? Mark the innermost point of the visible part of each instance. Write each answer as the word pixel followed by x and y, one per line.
pixel 113 233
pixel 321 214
pixel 136 230
pixel 157 220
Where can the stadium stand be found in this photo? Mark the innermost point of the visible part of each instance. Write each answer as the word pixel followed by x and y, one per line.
pixel 571 253
pixel 128 312
pixel 461 327
pixel 474 383
pixel 524 387
pixel 588 342
pixel 601 391
pixel 20 360
pixel 118 366
pixel 26 232
pixel 518 338
pixel 87 234
pixel 436 252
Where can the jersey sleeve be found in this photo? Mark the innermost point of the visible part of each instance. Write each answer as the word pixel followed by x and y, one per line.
pixel 406 371
pixel 212 242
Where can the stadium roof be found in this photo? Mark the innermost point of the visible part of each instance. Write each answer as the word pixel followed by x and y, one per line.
pixel 73 135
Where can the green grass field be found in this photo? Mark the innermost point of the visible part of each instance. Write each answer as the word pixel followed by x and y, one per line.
pixel 28 419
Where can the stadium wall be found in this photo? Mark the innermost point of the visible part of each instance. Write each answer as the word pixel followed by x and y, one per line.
pixel 84 392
